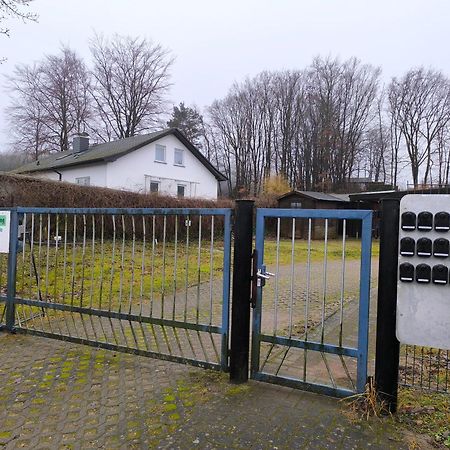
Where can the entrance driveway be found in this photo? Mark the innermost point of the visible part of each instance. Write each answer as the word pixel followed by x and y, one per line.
pixel 56 395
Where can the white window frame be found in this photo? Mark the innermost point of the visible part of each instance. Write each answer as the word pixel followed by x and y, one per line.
pixel 163 148
pixel 184 190
pixel 147 184
pixel 158 185
pixel 175 163
pixel 83 181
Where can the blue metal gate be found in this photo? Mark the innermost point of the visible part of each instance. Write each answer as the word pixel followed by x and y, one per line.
pixel 153 282
pixel 311 320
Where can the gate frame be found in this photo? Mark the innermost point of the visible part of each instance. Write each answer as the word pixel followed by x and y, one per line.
pixel 11 300
pixel 361 353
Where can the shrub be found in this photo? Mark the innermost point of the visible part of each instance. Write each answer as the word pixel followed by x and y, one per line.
pixel 20 190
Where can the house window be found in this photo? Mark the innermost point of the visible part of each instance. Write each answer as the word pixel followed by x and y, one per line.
pixel 178 159
pixel 297 205
pixel 83 181
pixel 154 187
pixel 181 190
pixel 160 153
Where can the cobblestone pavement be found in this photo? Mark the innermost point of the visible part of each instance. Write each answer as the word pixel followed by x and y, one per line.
pixel 64 396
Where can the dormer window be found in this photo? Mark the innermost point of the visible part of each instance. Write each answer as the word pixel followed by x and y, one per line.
pixel 178 158
pixel 160 153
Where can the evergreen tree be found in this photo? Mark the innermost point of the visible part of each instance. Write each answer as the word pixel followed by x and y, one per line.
pixel 189 121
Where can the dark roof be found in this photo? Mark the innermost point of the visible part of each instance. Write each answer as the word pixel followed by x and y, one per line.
pixel 110 151
pixel 376 196
pixel 315 195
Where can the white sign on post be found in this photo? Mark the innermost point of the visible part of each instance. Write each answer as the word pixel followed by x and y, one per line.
pixel 5 223
pixel 423 289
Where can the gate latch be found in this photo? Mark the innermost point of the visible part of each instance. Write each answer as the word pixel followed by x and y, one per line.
pixel 259 277
pixel 262 276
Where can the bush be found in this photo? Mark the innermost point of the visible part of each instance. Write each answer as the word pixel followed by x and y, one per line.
pixel 19 190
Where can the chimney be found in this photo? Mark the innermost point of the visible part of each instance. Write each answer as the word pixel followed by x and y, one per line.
pixel 80 142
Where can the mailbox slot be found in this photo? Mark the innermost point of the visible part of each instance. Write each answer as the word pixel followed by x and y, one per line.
pixel 425 221
pixel 423 273
pixel 408 221
pixel 442 221
pixel 406 272
pixel 441 248
pixel 424 247
pixel 440 274
pixel 407 246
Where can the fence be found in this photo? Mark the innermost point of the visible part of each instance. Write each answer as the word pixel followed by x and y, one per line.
pixel 148 281
pixel 425 368
pixel 156 282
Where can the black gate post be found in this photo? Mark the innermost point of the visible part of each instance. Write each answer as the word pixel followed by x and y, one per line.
pixel 240 306
pixel 387 345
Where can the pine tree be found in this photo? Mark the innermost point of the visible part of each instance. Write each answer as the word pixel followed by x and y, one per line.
pixel 189 121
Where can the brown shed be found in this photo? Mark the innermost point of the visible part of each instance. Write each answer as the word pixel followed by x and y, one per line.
pixel 312 200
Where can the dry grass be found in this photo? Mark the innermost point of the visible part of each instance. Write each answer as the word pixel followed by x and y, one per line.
pixel 365 405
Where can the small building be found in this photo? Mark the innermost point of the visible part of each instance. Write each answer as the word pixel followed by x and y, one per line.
pixel 161 162
pixel 314 200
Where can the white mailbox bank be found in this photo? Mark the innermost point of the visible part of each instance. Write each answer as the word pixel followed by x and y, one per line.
pixel 423 291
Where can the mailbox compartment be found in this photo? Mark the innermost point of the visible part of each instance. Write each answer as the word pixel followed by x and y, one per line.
pixel 407 246
pixel 441 248
pixel 423 273
pixel 442 221
pixel 406 272
pixel 440 274
pixel 408 221
pixel 424 247
pixel 425 221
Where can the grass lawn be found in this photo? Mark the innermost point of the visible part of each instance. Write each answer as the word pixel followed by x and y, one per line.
pixel 107 276
pixel 114 273
pixel 334 250
pixel 427 413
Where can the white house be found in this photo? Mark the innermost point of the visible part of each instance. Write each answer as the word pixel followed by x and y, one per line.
pixel 163 162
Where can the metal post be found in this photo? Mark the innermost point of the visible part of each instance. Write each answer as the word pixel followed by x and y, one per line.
pixel 240 310
pixel 387 345
pixel 12 263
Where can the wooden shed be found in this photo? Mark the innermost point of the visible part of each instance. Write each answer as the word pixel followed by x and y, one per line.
pixel 313 200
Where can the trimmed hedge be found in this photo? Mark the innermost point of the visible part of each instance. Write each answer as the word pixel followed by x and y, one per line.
pixel 20 190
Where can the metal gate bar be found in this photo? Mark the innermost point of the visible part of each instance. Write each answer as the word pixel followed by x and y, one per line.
pixel 147 281
pixel 306 343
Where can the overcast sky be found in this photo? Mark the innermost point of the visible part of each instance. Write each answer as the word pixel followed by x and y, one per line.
pixel 218 42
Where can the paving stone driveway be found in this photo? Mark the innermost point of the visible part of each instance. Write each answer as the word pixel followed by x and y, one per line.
pixel 64 396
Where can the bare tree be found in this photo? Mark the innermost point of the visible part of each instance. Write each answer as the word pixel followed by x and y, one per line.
pixel 16 9
pixel 50 101
pixel 420 105
pixel 307 126
pixel 131 80
pixel 376 151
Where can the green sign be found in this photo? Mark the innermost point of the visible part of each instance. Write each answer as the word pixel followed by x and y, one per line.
pixel 2 220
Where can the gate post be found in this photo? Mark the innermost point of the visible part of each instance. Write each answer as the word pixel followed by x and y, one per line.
pixel 240 307
pixel 12 266
pixel 387 346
